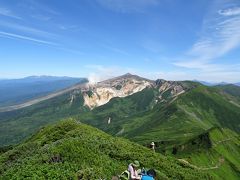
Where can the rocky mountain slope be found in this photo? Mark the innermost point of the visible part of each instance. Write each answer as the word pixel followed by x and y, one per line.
pixel 98 94
pixel 101 93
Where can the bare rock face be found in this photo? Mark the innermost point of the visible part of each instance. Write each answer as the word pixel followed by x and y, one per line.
pixel 98 94
pixel 175 88
pixel 102 92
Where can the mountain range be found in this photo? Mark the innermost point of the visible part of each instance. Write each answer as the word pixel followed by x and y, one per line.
pixel 16 91
pixel 216 83
pixel 196 124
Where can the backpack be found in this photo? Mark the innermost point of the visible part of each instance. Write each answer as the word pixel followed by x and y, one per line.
pixel 125 175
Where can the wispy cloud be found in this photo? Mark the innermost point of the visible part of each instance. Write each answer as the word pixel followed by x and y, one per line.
pixel 26 29
pixel 213 73
pixel 74 28
pixel 230 12
pixel 221 34
pixel 17 36
pixel 128 6
pixel 8 13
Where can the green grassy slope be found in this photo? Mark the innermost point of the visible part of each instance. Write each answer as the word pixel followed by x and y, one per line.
pixel 69 150
pixel 233 91
pixel 221 158
pixel 230 89
pixel 188 116
pixel 210 106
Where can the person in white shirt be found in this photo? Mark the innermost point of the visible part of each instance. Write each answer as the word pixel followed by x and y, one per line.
pixel 152 146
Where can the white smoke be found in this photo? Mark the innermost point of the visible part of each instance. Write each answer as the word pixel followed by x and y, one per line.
pixel 101 73
pixel 93 78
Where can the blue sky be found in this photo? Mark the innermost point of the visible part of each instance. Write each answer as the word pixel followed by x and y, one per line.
pixel 173 40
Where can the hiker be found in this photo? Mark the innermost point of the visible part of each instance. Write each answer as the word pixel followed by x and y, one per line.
pixel 151 174
pixel 109 120
pixel 152 146
pixel 132 168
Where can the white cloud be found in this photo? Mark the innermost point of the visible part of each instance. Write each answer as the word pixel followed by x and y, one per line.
pixel 218 39
pixel 213 73
pixel 8 13
pixel 225 76
pixel 230 75
pixel 17 36
pixel 193 64
pixel 220 35
pixel 230 12
pixel 209 67
pixel 127 6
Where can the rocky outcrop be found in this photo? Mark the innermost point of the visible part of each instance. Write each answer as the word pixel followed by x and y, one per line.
pixel 102 92
pixel 98 94
pixel 173 88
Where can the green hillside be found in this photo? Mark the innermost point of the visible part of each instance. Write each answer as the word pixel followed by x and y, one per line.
pixel 216 151
pixel 18 125
pixel 71 150
pixel 231 89
pixel 138 118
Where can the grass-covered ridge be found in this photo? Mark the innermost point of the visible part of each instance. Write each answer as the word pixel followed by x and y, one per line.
pixel 217 150
pixel 70 149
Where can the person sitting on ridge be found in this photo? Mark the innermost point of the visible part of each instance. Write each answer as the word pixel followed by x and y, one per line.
pixel 132 168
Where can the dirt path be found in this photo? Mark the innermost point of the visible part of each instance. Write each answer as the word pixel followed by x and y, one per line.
pixel 220 142
pixel 220 162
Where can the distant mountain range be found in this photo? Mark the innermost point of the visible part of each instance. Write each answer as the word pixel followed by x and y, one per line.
pixel 15 91
pixel 198 124
pixel 216 83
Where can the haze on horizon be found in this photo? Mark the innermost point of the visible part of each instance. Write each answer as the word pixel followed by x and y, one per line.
pixel 105 38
